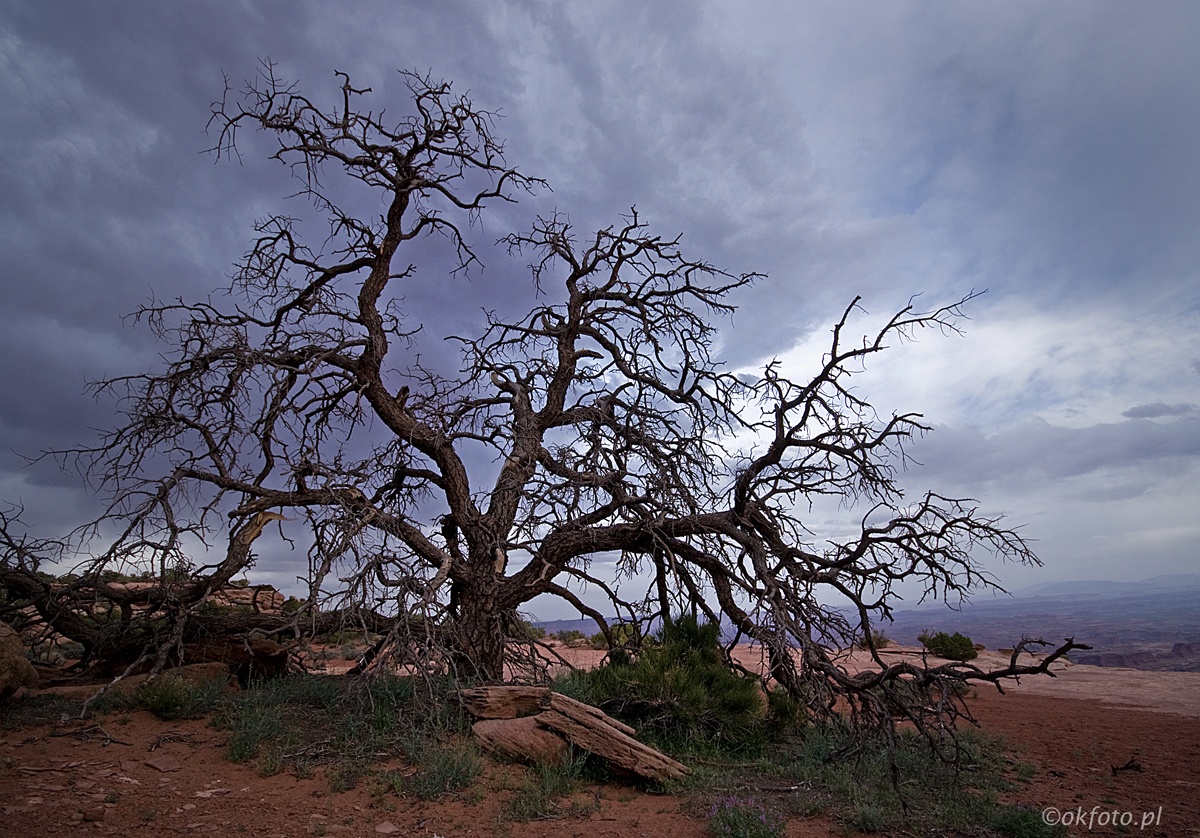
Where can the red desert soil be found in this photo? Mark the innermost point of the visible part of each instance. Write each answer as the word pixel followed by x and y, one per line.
pixel 63 779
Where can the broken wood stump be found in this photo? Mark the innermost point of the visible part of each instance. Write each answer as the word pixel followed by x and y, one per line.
pixel 537 724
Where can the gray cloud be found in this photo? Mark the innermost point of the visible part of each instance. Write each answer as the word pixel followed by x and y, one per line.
pixel 1044 151
pixel 1037 452
pixel 1159 409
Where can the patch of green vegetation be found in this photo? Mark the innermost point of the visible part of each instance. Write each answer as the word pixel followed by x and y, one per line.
pixel 252 720
pixel 342 637
pixel 625 636
pixel 867 816
pixel 1023 822
pixel 939 796
pixel 541 794
pixel 682 695
pixel 169 697
pixel 733 817
pixel 299 722
pixel 441 769
pixel 878 639
pixel 38 710
pixel 954 647
pixel 570 637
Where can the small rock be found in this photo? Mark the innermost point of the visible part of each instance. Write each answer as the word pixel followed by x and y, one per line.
pixel 164 763
pixel 386 828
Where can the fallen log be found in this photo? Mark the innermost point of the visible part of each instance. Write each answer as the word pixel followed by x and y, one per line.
pixel 523 738
pixel 505 702
pixel 508 727
pixel 614 745
pixel 586 714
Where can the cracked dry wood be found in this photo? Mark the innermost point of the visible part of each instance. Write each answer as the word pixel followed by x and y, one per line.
pixel 511 727
pixel 505 702
pixel 524 738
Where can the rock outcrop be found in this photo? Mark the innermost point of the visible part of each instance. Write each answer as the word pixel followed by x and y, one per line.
pixel 15 670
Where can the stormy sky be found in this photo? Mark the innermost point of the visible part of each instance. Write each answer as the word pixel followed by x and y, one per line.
pixel 1046 152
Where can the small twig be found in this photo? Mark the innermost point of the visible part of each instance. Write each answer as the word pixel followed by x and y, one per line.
pixel 719 764
pixel 1131 765
pixel 308 748
pixel 85 735
pixel 805 786
pixel 83 710
pixel 172 736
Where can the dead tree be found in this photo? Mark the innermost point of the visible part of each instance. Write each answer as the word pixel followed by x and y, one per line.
pixel 611 429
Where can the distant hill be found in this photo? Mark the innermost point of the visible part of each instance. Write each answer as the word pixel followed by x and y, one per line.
pixel 1170 582
pixel 586 625
pixel 1148 624
pixel 1145 624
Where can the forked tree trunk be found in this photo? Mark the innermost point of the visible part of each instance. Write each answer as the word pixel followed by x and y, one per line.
pixel 479 637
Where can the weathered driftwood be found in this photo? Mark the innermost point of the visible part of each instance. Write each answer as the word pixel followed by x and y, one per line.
pixel 586 714
pixel 509 728
pixel 523 738
pixel 614 745
pixel 505 702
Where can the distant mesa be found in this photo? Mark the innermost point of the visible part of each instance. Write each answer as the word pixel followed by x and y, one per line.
pixel 1101 587
pixel 1139 660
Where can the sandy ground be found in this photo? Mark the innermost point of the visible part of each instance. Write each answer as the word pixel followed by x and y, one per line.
pixel 157 778
pixel 1164 692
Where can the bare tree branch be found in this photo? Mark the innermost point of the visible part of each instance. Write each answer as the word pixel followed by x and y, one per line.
pixel 618 434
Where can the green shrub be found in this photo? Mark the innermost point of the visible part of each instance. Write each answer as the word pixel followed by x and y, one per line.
pixel 440 769
pixel 878 639
pixel 252 721
pixel 854 775
pixel 170 697
pixel 302 722
pixel 570 637
pixel 539 797
pixel 291 605
pixel 679 691
pixel 953 647
pixel 868 816
pixel 731 817
pixel 344 637
pixel 624 634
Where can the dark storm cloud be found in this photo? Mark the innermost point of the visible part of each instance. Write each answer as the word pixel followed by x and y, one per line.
pixel 1158 409
pixel 1045 151
pixel 107 199
pixel 1038 149
pixel 1037 452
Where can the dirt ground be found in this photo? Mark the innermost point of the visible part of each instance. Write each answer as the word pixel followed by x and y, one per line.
pixel 146 777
